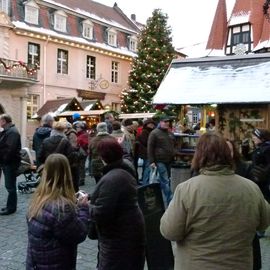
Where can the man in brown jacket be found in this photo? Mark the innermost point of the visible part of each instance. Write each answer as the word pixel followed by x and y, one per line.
pixel 160 149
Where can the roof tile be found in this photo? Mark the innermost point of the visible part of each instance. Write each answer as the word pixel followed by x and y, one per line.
pixel 218 32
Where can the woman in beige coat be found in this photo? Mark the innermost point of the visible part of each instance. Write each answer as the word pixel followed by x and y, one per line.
pixel 213 217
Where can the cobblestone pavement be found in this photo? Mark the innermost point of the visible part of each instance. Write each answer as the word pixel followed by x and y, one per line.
pixel 13 237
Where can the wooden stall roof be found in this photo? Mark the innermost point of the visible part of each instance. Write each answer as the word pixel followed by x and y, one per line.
pixel 57 106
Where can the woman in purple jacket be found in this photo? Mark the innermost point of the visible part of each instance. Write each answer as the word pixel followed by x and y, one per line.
pixel 56 224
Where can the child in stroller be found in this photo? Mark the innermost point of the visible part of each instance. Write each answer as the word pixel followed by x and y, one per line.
pixel 29 170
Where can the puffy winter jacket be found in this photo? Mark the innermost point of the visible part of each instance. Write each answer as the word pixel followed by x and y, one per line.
pixel 53 237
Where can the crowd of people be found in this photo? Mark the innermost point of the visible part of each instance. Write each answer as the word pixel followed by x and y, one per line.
pixel 216 217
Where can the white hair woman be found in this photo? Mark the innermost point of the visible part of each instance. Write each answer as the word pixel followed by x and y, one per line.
pixel 56 224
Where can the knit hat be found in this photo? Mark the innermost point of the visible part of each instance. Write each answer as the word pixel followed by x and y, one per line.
pixel 164 117
pixel 102 127
pixel 80 124
pixel 76 116
pixel 262 134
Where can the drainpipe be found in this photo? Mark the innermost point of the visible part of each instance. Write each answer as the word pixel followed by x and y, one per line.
pixel 45 69
pixel 23 121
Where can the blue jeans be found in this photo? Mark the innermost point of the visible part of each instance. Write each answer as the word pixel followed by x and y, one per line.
pixel 146 172
pixel 9 172
pixel 164 171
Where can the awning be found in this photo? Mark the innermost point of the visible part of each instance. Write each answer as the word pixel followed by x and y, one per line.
pixel 230 79
pixel 82 113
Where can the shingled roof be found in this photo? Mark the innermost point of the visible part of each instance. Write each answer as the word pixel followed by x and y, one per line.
pixel 244 12
pixel 97 11
pixel 218 32
pixel 252 11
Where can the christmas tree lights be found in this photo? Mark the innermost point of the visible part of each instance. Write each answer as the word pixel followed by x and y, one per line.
pixel 155 53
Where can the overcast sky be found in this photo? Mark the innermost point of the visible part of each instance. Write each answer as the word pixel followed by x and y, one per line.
pixel 190 20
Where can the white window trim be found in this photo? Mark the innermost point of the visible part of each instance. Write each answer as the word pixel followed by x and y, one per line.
pixel 60 21
pixel 115 72
pixel 62 60
pixel 31 12
pixel 32 107
pixel 89 66
pixel 112 37
pixel 133 40
pixel 4 6
pixel 32 52
pixel 88 25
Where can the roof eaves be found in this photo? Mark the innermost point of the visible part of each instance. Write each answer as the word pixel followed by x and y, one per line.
pixel 260 57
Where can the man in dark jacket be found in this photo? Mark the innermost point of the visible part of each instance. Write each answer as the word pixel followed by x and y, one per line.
pixel 142 139
pixel 10 146
pixel 161 154
pixel 42 133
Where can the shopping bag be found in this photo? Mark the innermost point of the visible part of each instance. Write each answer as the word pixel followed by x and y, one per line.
pixel 153 176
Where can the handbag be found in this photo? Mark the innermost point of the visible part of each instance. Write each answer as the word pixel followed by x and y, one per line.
pixel 92 230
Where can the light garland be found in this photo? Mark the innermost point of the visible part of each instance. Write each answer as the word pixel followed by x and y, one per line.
pixel 77 45
pixel 15 65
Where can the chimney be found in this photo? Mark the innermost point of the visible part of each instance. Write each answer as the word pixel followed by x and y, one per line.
pixel 133 17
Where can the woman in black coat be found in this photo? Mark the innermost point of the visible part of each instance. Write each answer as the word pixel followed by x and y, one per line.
pixel 261 160
pixel 59 143
pixel 114 208
pixel 243 168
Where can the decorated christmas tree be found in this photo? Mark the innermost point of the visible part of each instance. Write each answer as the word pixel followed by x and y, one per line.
pixel 155 53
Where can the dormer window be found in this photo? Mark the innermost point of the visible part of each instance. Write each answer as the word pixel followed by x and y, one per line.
pixel 4 6
pixel 60 21
pixel 88 29
pixel 133 43
pixel 240 34
pixel 31 12
pixel 112 37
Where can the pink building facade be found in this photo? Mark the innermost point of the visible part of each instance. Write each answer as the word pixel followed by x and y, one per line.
pixel 51 50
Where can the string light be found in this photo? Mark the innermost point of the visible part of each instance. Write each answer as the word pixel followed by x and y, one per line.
pixel 15 65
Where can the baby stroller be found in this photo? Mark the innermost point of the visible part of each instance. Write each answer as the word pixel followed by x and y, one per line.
pixel 29 170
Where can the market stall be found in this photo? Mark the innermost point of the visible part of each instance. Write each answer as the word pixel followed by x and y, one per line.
pixel 237 86
pixel 90 117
